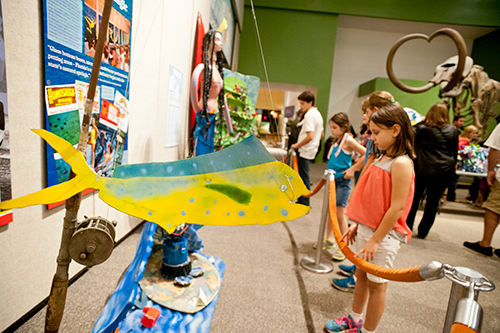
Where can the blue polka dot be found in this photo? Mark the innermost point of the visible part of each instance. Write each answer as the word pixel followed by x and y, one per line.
pixel 122 189
pixel 291 178
pixel 248 153
pixel 144 171
pixel 211 162
pixel 271 177
pixel 241 213
pixel 181 173
pixel 240 161
pixel 284 212
pixel 151 193
pixel 169 225
pixel 194 165
pixel 228 214
pixel 208 212
pixel 266 208
pixel 191 199
pixel 173 185
pixel 122 173
pixel 255 182
pixel 183 213
pixel 224 165
pixel 169 169
pixel 150 213
pixel 208 181
pixel 229 156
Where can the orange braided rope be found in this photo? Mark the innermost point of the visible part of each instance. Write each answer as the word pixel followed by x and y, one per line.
pixel 295 164
pixel 316 190
pixel 461 328
pixel 393 274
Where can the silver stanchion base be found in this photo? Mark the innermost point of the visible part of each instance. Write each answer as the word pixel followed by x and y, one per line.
pixel 310 264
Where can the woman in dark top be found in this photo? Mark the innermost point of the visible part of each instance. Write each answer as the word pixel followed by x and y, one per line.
pixel 436 143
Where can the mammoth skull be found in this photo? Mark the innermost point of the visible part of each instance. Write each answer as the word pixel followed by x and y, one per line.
pixel 447 74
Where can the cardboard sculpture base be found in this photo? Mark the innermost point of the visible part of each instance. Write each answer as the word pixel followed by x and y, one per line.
pixel 189 299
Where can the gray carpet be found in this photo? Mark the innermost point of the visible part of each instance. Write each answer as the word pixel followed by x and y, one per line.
pixel 265 289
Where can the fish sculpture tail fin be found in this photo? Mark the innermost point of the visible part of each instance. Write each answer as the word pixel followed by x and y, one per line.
pixel 85 178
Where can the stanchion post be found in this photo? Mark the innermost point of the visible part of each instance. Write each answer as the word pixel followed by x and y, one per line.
pixel 314 265
pixel 462 305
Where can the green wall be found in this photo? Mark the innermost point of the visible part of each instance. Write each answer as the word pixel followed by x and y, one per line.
pixel 462 12
pixel 486 52
pixel 298 49
pixel 418 102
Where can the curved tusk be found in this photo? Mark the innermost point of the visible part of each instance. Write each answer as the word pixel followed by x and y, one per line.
pixel 462 54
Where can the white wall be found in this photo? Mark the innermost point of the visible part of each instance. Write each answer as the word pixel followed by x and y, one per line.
pixel 361 51
pixel 162 35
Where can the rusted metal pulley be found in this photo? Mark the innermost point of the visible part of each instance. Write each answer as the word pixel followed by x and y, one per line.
pixel 93 241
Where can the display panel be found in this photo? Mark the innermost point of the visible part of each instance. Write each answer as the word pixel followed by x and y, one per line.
pixel 71 30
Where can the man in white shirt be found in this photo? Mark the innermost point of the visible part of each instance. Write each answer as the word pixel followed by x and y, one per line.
pixel 492 205
pixel 309 138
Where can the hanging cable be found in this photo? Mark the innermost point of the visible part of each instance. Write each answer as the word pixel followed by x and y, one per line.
pixel 267 76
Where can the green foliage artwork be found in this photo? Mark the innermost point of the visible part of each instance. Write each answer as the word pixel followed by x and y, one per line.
pixel 241 108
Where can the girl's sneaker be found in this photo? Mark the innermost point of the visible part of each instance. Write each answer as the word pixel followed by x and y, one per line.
pixel 347 270
pixel 327 244
pixel 346 284
pixel 338 255
pixel 343 324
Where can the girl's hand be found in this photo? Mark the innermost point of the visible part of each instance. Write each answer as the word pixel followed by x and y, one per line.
pixel 350 234
pixel 368 250
pixel 349 173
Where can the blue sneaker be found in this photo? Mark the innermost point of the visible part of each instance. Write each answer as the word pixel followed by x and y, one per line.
pixel 347 270
pixel 343 324
pixel 346 284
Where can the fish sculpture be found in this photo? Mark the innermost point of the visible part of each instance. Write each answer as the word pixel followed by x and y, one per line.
pixel 240 185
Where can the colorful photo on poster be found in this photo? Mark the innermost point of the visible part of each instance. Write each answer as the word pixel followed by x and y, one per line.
pixel 106 145
pixel 71 32
pixel 121 140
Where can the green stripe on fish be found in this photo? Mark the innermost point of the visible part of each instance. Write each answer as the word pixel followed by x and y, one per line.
pixel 237 194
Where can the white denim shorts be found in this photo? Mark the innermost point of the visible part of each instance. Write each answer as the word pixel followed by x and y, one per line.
pixel 385 254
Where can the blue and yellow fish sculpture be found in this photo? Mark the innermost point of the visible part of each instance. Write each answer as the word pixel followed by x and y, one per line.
pixel 240 185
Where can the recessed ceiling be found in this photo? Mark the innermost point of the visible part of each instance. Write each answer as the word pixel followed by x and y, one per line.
pixel 408 27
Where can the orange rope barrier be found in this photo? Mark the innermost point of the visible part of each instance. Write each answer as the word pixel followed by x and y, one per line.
pixel 316 190
pixel 461 328
pixel 393 274
pixel 295 164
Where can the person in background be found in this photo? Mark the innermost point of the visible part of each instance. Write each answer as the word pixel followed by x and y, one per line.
pixel 458 121
pixel 451 194
pixel 340 159
pixel 375 101
pixel 295 128
pixel 468 135
pixel 309 137
pixel 436 143
pixel 492 204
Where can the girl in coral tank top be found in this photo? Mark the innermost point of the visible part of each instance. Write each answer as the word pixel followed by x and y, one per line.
pixel 378 211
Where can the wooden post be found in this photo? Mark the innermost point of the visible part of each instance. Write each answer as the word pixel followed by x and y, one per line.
pixel 57 298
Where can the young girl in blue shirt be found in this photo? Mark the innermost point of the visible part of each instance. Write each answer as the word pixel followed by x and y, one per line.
pixel 339 160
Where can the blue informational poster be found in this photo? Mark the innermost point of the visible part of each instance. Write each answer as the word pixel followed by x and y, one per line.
pixel 71 30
